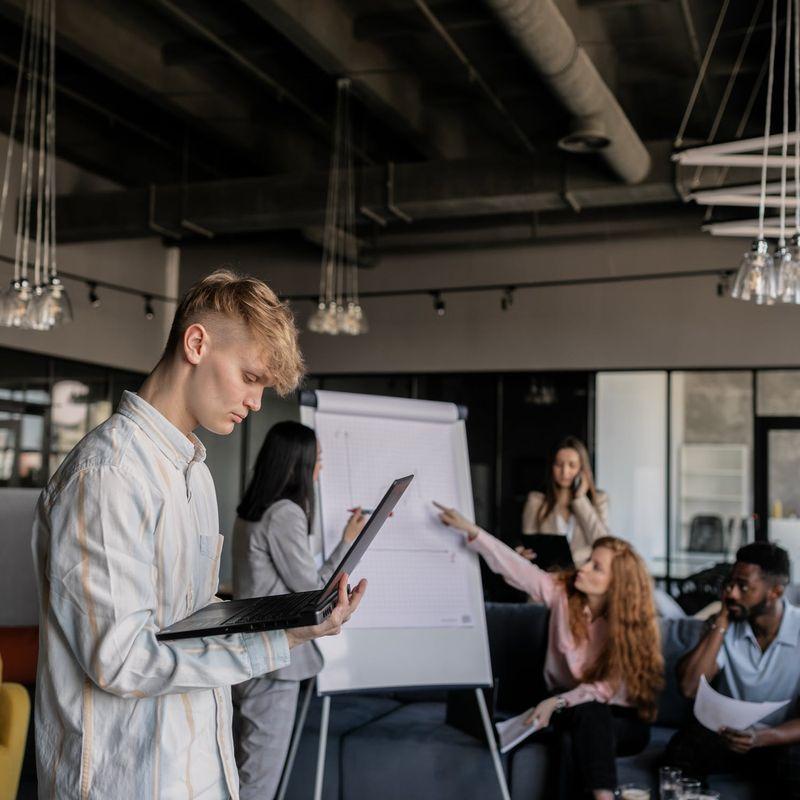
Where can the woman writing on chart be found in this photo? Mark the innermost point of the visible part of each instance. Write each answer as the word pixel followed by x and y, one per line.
pixel 272 555
pixel 570 505
pixel 603 663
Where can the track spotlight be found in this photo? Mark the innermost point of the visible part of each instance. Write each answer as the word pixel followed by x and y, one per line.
pixel 149 313
pixel 438 304
pixel 507 300
pixel 93 297
pixel 724 285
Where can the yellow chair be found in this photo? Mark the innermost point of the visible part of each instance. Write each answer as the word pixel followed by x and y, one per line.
pixel 15 712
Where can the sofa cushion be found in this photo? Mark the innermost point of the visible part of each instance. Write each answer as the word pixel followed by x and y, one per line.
pixel 517 643
pixel 677 637
pixel 412 752
pixel 643 767
pixel 347 713
pixel 528 773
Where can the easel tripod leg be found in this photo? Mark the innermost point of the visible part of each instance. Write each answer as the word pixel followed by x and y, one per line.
pixel 323 743
pixel 487 726
pixel 296 736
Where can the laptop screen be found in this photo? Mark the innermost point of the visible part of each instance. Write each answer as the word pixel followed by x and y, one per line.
pixel 374 524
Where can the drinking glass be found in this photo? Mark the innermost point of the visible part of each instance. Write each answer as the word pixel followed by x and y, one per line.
pixel 634 791
pixel 688 788
pixel 668 778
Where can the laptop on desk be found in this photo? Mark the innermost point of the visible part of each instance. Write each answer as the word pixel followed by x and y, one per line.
pixel 293 610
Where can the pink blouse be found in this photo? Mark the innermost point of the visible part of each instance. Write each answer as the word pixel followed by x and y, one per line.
pixel 566 660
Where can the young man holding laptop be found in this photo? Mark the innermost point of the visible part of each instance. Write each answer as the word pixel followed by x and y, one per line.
pixel 126 543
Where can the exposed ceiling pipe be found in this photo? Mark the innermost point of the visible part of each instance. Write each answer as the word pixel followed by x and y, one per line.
pixel 547 40
pixel 474 75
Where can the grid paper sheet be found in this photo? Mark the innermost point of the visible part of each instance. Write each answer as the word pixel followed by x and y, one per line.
pixel 415 566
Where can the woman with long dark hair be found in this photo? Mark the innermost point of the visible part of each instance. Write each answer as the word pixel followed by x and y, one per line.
pixel 571 504
pixel 603 665
pixel 272 555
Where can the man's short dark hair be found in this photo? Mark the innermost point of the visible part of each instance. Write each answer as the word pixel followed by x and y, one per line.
pixel 773 560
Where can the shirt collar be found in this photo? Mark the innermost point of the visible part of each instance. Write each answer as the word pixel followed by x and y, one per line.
pixel 178 448
pixel 788 632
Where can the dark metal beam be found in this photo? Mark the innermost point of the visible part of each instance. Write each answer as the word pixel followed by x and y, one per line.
pixel 107 112
pixel 281 92
pixel 378 26
pixel 123 40
pixel 595 223
pixel 323 31
pixel 424 191
pixel 191 51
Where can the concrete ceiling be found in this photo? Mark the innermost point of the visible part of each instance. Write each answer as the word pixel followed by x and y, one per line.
pixel 226 109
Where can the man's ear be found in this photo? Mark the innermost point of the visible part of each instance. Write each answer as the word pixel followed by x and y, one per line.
pixel 777 589
pixel 195 343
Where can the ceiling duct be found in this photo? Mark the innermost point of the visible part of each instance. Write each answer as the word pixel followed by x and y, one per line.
pixel 547 40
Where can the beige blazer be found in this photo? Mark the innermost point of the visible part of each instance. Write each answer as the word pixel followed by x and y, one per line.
pixel 591 522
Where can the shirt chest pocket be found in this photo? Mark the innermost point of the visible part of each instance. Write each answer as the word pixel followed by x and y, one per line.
pixel 211 546
pixel 203 585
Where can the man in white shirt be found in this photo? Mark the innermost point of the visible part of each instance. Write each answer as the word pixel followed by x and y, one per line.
pixel 126 542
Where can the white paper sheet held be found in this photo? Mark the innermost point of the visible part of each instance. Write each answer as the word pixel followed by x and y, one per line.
pixel 715 710
pixel 513 731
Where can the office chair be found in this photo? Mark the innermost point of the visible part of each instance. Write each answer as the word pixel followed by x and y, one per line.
pixel 706 534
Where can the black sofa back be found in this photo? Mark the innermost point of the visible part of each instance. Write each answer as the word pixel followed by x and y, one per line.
pixel 518 643
pixel 678 636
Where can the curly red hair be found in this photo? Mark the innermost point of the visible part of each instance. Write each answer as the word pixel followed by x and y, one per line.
pixel 632 652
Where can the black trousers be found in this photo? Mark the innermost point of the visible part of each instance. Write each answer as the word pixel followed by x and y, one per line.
pixel 588 737
pixel 700 752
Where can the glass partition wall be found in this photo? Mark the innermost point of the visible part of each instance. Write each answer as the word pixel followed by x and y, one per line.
pixel 726 444
pixel 631 443
pixel 695 462
pixel 47 405
pixel 711 456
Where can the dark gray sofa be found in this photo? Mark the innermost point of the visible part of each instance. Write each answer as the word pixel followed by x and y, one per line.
pixel 399 745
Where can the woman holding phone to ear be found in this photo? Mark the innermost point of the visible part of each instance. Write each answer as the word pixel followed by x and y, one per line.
pixel 603 665
pixel 571 504
pixel 272 555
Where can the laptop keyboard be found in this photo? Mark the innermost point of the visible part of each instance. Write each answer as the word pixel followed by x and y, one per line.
pixel 287 605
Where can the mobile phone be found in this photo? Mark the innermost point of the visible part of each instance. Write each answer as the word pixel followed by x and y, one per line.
pixel 576 482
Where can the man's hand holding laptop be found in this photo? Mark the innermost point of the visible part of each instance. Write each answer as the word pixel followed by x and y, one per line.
pixel 346 605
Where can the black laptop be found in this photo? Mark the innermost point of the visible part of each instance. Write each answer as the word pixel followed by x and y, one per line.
pixel 293 610
pixel 552 550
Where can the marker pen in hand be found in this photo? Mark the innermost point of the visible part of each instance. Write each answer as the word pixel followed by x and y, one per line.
pixel 366 511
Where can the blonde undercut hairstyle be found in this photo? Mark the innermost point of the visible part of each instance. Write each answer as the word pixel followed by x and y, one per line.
pixel 251 301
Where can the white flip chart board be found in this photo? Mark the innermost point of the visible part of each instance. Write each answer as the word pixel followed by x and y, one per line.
pixel 422 620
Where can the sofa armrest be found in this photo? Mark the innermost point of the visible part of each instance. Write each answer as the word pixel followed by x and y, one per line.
pixel 15 711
